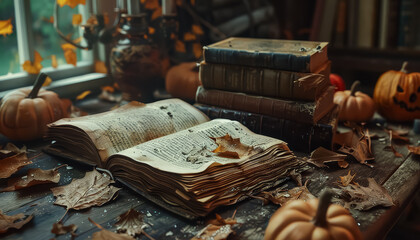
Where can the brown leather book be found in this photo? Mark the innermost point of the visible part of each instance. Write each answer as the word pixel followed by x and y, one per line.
pixel 299 111
pixel 265 81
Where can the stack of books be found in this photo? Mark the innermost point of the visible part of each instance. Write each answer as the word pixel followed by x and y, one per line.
pixel 279 88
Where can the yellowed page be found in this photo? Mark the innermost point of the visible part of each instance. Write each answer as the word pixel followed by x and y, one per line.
pixel 135 123
pixel 190 150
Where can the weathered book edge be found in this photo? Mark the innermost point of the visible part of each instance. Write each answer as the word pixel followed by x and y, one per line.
pixel 299 136
pixel 265 81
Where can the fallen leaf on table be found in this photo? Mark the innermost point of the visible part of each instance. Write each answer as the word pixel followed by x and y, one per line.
pixel 229 147
pixel 357 144
pixel 70 3
pixel 35 176
pixel 60 229
pixel 397 136
pixel 11 149
pixel 346 180
pixel 217 229
pixel 35 67
pixel 280 196
pixel 105 234
pixel 131 222
pixel 6 27
pixel 15 221
pixel 365 198
pixel 93 189
pixel 12 164
pixel 390 147
pixel 321 155
pixel 413 149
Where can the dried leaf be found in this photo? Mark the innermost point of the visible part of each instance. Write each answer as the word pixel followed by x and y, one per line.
pixel 60 229
pixel 156 13
pixel 92 190
pixel 321 155
pixel 280 196
pixel 390 147
pixel 229 147
pixel 70 56
pixel 188 36
pixel 15 221
pixel 180 46
pixel 106 18
pixel 196 29
pixel 100 67
pixel 198 50
pixel 151 31
pixel 365 198
pixel 92 20
pixel 47 82
pixel 70 3
pixel 76 19
pixel 35 67
pixel 414 150
pixel 12 164
pixel 35 176
pixel 6 27
pixel 54 63
pixel 218 229
pixel 105 234
pixel 355 143
pixel 346 180
pixel 110 89
pixel 10 149
pixel 108 96
pixel 151 4
pixel 83 95
pixel 131 222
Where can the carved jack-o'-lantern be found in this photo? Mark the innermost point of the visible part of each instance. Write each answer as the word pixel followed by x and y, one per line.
pixel 397 95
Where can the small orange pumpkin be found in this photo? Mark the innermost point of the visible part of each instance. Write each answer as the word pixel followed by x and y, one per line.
pixel 354 106
pixel 397 95
pixel 312 220
pixel 25 112
pixel 182 81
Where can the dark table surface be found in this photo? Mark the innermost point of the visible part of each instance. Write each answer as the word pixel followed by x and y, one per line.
pixel 399 175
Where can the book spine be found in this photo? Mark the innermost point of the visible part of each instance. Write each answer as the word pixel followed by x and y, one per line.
pixel 299 136
pixel 264 81
pixel 282 61
pixel 287 109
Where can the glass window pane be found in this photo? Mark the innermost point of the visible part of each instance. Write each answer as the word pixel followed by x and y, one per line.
pixel 9 55
pixel 46 40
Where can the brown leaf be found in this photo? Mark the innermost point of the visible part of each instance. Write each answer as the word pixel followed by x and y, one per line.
pixel 6 27
pixel 131 222
pixel 60 229
pixel 12 164
pixel 10 149
pixel 34 176
pixel 15 221
pixel 346 180
pixel 105 234
pixel 280 196
pixel 100 67
pixel 180 46
pixel 229 147
pixel 390 147
pixel 365 198
pixel 188 36
pixel 413 149
pixel 355 143
pixel 218 228
pixel 197 50
pixel 92 190
pixel 320 156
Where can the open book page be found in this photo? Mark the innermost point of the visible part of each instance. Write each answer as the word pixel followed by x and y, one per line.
pixel 132 124
pixel 190 151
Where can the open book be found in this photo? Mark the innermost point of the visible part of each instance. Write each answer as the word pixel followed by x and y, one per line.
pixel 174 154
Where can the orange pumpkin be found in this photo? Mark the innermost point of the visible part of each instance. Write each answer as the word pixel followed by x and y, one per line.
pixel 25 112
pixel 182 81
pixel 312 220
pixel 397 95
pixel 354 106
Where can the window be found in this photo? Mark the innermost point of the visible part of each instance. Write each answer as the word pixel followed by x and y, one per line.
pixel 33 30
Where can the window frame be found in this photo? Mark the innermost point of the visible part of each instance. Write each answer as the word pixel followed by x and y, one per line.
pixel 68 80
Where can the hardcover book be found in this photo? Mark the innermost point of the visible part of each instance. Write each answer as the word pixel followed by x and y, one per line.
pixel 289 55
pixel 173 154
pixel 299 111
pixel 299 136
pixel 265 81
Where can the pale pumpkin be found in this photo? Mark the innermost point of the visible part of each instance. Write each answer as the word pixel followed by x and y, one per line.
pixel 355 106
pixel 25 112
pixel 314 219
pixel 182 81
pixel 397 95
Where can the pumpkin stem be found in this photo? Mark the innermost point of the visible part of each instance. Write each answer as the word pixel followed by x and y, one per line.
pixel 353 88
pixel 404 65
pixel 320 218
pixel 37 85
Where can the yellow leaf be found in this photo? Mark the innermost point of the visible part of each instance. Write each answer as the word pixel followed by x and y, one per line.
pixel 67 46
pixel 180 46
pixel 197 49
pixel 77 40
pixel 151 30
pixel 6 27
pixel 54 63
pixel 92 20
pixel 70 3
pixel 196 29
pixel 83 95
pixel 151 4
pixel 157 13
pixel 70 56
pixel 106 18
pixel 189 37
pixel 47 82
pixel 77 19
pixel 100 67
pixel 35 67
pixel 108 89
pixel 142 1
pixel 51 20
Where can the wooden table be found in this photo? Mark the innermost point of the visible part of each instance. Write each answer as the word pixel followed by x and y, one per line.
pixel 400 176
